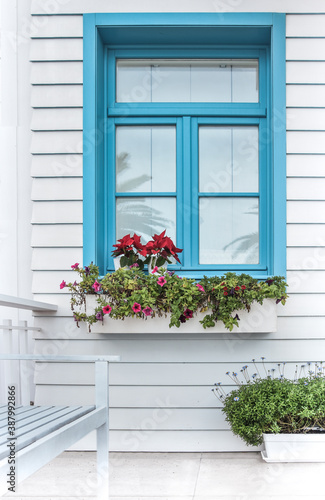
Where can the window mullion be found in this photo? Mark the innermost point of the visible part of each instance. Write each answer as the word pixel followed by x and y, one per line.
pixel 187 209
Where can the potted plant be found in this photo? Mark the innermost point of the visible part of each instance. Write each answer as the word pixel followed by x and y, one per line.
pixel 160 250
pixel 286 414
pixel 131 293
pixel 127 252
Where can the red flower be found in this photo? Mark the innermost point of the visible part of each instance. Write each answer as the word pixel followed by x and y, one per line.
pixel 225 288
pixel 136 307
pixel 107 309
pixel 163 245
pixel 225 293
pixel 243 287
pixel 188 313
pixel 237 288
pixel 223 283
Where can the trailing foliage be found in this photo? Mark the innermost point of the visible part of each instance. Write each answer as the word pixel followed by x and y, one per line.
pixel 131 292
pixel 275 405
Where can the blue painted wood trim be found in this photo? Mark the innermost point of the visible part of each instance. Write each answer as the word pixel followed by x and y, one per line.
pixel 278 68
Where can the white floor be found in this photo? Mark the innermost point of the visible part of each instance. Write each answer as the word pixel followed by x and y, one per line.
pixel 176 476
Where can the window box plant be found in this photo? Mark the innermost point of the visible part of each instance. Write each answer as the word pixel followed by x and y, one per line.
pixel 219 303
pixel 287 415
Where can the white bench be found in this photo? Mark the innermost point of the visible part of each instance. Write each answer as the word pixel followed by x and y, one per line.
pixel 43 432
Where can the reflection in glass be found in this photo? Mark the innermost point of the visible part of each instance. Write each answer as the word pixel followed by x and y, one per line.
pixel 145 216
pixel 145 159
pixel 187 80
pixel 228 159
pixel 229 231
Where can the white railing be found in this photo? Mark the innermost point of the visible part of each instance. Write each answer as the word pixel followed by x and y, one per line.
pixel 16 339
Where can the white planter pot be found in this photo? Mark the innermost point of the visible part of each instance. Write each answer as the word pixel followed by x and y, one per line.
pixel 117 264
pixel 260 319
pixel 294 447
pixel 152 264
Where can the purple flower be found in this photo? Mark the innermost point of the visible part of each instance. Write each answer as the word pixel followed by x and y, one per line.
pixel 170 273
pixel 134 265
pixel 99 316
pixel 87 270
pixel 188 313
pixel 182 318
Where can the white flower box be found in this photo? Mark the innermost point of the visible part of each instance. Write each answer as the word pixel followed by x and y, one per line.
pixel 260 319
pixel 294 447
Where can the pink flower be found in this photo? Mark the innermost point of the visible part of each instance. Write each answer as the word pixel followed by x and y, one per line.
pixel 63 284
pixel 96 286
pixel 136 307
pixel 200 287
pixel 188 313
pixel 161 281
pixel 147 311
pixel 75 266
pixel 155 269
pixel 107 309
pixel 134 265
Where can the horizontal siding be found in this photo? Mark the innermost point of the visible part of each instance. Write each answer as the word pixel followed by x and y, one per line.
pixel 305 235
pixel 56 142
pixel 306 142
pixel 306 95
pixel 305 166
pixel 61 188
pixel 57 119
pixel 306 211
pixel 306 118
pixel 57 259
pixel 305 72
pixel 305 26
pixel 52 73
pixel 305 49
pixel 84 6
pixel 57 49
pixel 56 96
pixel 306 258
pixel 56 212
pixel 57 165
pixel 57 26
pixel 59 235
pixel 306 189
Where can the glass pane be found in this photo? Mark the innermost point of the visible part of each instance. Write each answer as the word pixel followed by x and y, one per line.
pixel 228 159
pixel 187 80
pixel 229 231
pixel 145 159
pixel 146 216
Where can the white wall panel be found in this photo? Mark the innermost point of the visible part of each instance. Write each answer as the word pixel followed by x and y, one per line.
pixel 44 259
pixel 305 25
pixel 306 281
pixel 59 235
pixel 56 142
pixel 306 142
pixel 57 119
pixel 57 165
pixel 56 73
pixel 305 72
pixel 305 166
pixel 305 118
pixel 56 49
pixel 64 188
pixel 56 26
pixel 305 49
pixel 306 95
pixel 306 235
pixel 80 6
pixel 56 212
pixel 306 258
pixel 306 189
pixel 49 281
pixel 306 211
pixel 56 96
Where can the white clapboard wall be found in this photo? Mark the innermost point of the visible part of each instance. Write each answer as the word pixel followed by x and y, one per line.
pixel 161 397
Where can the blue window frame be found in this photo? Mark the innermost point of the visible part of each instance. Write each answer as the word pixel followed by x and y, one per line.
pixel 107 39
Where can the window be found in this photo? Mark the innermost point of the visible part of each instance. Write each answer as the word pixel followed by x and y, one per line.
pixel 188 144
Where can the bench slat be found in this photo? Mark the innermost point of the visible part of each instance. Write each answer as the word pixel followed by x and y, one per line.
pixel 37 430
